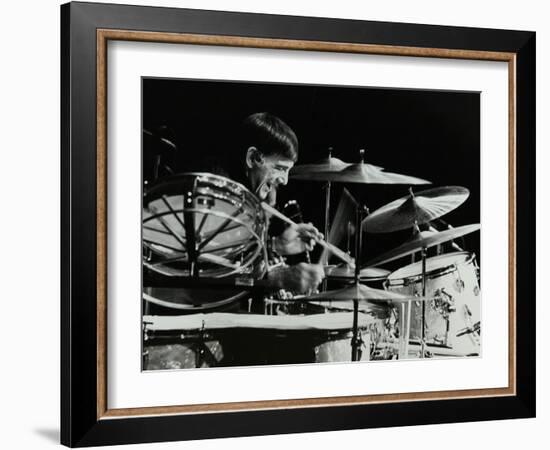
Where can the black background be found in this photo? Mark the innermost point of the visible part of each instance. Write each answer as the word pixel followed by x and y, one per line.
pixel 434 135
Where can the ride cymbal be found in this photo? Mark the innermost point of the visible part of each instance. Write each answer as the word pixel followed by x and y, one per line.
pixel 419 208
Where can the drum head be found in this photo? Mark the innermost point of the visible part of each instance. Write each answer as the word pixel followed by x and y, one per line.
pixel 434 265
pixel 219 218
pixel 192 299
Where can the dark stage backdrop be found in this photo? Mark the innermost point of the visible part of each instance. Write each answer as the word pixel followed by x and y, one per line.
pixel 433 135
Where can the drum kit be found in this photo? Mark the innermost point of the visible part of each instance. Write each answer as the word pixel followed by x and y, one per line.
pixel 204 248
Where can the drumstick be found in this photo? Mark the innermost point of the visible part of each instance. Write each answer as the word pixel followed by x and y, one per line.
pixel 331 248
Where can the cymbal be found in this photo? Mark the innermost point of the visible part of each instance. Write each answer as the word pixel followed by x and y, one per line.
pixel 347 271
pixel 320 170
pixel 418 207
pixel 358 291
pixel 328 164
pixel 361 173
pixel 424 239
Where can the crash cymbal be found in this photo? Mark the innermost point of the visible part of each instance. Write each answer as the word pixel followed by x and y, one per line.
pixel 360 292
pixel 361 173
pixel 320 170
pixel 329 164
pixel 346 271
pixel 424 239
pixel 368 174
pixel 421 207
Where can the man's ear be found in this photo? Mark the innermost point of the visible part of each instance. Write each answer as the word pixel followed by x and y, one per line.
pixel 253 157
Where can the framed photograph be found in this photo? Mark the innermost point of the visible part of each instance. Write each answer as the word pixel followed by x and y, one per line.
pixel 278 224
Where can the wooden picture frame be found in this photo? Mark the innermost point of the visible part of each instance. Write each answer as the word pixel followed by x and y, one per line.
pixel 85 416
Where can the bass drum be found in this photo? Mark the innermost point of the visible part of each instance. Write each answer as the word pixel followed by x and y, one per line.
pixel 201 225
pixel 453 318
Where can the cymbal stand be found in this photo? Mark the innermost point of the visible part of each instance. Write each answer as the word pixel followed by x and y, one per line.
pixel 356 340
pixel 328 188
pixel 423 305
pixel 423 255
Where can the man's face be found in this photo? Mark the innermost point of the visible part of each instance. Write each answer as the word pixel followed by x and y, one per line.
pixel 268 173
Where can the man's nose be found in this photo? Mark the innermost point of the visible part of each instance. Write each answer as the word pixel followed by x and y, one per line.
pixel 283 179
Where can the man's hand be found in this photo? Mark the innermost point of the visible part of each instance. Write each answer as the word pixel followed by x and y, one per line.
pixel 301 278
pixel 297 239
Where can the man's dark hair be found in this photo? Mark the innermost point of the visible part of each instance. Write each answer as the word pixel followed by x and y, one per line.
pixel 270 135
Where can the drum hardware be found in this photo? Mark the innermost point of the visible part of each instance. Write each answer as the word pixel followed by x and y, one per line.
pixel 473 329
pixel 356 340
pixel 423 306
pixel 251 283
pixel 348 240
pixel 327 214
pixel 325 165
pixel 346 208
pixel 195 341
pixel 454 245
pixel 316 172
pixel 161 146
pixel 343 222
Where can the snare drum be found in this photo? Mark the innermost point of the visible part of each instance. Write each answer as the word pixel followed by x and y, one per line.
pixel 453 318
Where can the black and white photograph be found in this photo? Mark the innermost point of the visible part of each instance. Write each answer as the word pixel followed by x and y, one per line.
pixel 299 224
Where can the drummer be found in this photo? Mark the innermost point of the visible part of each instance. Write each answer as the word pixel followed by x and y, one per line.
pixel 269 149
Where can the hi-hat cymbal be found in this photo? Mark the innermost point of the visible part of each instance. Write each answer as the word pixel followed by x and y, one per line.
pixel 421 207
pixel 346 271
pixel 360 292
pixel 424 239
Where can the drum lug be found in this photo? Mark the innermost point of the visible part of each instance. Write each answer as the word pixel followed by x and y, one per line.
pixel 459 285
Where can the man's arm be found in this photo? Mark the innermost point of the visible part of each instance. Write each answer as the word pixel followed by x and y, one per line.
pixel 298 239
pixel 300 278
